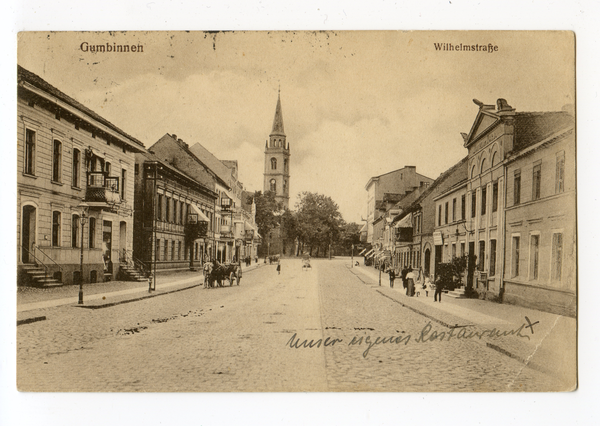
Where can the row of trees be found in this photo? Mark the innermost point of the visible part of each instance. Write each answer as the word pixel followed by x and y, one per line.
pixel 315 227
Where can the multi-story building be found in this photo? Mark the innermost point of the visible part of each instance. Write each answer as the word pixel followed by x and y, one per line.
pixel 521 206
pixel 385 190
pixel 173 217
pixel 541 234
pixel 74 188
pixel 416 239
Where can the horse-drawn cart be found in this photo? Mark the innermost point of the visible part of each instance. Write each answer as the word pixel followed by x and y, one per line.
pixel 216 273
pixel 306 262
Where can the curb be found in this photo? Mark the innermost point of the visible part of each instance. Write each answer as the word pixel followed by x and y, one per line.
pixel 30 320
pixel 120 302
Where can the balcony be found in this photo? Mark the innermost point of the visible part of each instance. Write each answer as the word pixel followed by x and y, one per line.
pixel 102 188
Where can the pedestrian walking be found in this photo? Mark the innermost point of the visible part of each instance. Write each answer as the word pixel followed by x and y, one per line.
pixel 278 267
pixel 438 290
pixel 410 279
pixel 404 282
pixel 392 274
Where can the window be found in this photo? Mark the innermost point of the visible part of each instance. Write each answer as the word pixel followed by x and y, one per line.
pixel 56 160
pixel 179 250
pixel 515 255
pixel 123 182
pixel 473 204
pixel 168 210
pixel 534 255
pixel 446 213
pixel 75 231
pixel 557 254
pixel 483 199
pixel 172 250
pixel 492 258
pixel 454 210
pixel 495 197
pixel 136 169
pixel 56 229
pixel 273 163
pixel 159 208
pixel 453 250
pixel 157 249
pixel 462 249
pixel 481 255
pixel 166 252
pixel 560 173
pixel 285 165
pixel 536 182
pixel 517 188
pixel 92 232
pixel 30 136
pixel 273 185
pixel 107 168
pixel 75 175
pixel 440 215
pixel 462 208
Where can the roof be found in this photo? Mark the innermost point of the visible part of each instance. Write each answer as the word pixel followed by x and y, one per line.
pixel 374 178
pixel 533 127
pixel 441 178
pixel 212 162
pixel 278 120
pixel 24 75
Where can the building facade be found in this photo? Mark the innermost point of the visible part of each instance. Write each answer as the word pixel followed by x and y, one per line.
pixel 174 217
pixel 75 191
pixel 385 190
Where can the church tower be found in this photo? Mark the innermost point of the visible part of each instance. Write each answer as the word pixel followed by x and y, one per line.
pixel 277 160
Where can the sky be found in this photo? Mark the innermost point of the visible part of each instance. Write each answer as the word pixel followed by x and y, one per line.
pixel 355 104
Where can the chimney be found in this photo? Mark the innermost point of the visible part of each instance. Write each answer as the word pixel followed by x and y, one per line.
pixel 174 136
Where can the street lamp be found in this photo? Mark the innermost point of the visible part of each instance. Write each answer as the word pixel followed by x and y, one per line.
pixel 84 208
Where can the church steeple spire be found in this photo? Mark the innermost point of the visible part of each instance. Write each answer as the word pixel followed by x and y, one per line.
pixel 278 120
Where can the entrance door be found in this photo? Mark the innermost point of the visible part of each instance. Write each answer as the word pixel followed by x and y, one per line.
pixel 27 233
pixel 107 245
pixel 427 261
pixel 123 238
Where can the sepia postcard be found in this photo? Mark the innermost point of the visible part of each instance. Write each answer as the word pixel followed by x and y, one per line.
pixel 296 211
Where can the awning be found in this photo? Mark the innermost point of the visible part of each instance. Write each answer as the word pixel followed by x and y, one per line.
pixel 370 253
pixel 405 222
pixel 201 216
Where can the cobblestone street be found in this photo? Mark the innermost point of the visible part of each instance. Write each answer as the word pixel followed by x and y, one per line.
pixel 240 339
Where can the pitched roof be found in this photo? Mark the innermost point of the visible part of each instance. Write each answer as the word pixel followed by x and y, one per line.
pixel 278 120
pixel 212 162
pixel 40 83
pixel 533 127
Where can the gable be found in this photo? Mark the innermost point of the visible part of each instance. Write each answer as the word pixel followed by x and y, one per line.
pixel 484 123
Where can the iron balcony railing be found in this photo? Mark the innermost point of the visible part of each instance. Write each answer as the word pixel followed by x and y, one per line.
pixel 102 188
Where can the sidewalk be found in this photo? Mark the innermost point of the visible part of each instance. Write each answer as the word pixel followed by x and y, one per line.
pixel 550 345
pixel 108 293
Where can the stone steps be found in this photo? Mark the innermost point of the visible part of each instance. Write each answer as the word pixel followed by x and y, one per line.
pixel 457 293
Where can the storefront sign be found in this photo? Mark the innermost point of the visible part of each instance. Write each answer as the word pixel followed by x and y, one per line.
pixel 438 239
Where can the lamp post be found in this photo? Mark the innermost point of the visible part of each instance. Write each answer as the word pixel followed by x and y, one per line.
pixel 84 207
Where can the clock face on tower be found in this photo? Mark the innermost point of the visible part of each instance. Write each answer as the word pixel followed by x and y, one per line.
pixel 277 158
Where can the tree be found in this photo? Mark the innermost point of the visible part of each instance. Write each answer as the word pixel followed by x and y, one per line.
pixel 318 222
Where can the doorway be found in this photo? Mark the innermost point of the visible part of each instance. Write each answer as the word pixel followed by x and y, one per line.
pixel 107 245
pixel 28 233
pixel 427 263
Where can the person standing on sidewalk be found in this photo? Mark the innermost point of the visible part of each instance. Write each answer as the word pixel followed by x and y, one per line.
pixel 404 282
pixel 278 267
pixel 392 274
pixel 438 290
pixel 411 278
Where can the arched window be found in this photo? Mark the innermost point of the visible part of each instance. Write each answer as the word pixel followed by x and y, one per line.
pixel 273 163
pixel 56 161
pixel 473 171
pixel 285 165
pixel 494 158
pixel 273 186
pixel 483 165
pixel 284 186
